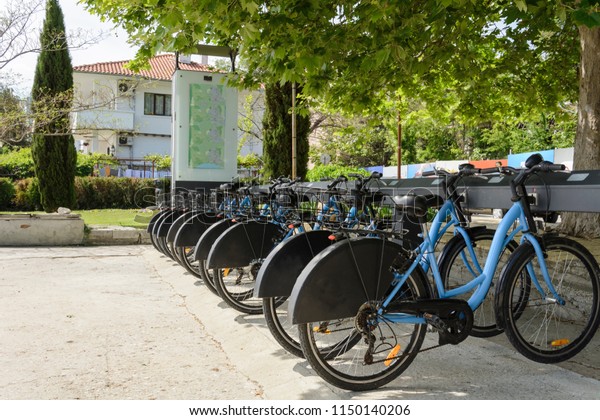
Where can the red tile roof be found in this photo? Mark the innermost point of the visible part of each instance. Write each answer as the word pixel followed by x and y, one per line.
pixel 161 68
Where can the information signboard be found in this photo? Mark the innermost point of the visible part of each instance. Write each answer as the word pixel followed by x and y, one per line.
pixel 204 128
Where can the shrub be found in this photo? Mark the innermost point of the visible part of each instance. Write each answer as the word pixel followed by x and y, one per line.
pixel 7 193
pixel 161 162
pixel 113 193
pixel 332 171
pixel 18 163
pixel 27 195
pixel 86 162
pixel 90 192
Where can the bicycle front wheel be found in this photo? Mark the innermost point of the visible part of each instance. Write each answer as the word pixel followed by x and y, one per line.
pixel 360 359
pixel 551 327
pixel 236 288
pixel 207 276
pixel 281 327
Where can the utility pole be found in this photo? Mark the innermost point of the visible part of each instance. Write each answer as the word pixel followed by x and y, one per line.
pixel 294 172
pixel 399 146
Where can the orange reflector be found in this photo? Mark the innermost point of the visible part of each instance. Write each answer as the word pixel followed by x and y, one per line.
pixel 291 226
pixel 331 237
pixel 561 342
pixel 226 271
pixel 322 330
pixel 233 220
pixel 393 353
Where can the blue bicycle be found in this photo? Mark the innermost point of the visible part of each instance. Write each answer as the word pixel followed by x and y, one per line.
pixel 278 274
pixel 547 297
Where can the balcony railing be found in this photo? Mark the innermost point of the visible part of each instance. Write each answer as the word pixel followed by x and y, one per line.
pixel 99 119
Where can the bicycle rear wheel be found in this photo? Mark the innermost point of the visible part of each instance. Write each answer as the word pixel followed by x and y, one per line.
pixel 545 328
pixel 360 360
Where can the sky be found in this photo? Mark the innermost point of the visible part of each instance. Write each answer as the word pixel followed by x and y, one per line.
pixel 113 47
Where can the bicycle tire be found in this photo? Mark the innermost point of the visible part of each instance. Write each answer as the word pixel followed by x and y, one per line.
pixel 207 277
pixel 347 368
pixel 546 330
pixel 281 328
pixel 162 245
pixel 286 334
pixel 174 252
pixel 153 242
pixel 456 269
pixel 236 287
pixel 185 257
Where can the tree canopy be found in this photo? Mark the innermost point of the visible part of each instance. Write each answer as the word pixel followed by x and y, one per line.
pixel 471 55
pixel 479 60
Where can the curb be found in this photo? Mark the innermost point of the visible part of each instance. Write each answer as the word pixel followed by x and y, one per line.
pixel 115 235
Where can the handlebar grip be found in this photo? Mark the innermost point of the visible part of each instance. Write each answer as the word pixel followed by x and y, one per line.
pixel 490 170
pixel 376 175
pixel 429 173
pixel 339 179
pixel 551 167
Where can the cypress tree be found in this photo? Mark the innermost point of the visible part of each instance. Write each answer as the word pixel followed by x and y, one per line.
pixel 53 147
pixel 277 133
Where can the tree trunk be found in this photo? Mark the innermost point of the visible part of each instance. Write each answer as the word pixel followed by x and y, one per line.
pixel 587 140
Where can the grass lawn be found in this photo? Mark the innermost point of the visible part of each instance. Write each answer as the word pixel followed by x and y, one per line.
pixel 136 218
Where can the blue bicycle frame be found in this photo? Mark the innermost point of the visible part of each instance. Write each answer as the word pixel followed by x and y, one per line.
pixel 331 205
pixel 483 281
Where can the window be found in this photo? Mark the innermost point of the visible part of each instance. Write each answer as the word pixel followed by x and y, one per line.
pixel 157 104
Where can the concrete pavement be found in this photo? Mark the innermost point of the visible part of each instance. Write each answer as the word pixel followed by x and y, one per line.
pixel 124 322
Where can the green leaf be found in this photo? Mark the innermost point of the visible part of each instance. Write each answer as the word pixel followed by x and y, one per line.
pixel 251 6
pixel 521 5
pixel 382 56
pixel 588 19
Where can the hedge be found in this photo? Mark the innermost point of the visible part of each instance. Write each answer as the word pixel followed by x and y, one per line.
pixel 7 193
pixel 113 193
pixel 90 192
pixel 18 163
pixel 27 195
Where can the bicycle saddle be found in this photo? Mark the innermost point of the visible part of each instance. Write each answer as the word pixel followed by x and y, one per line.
pixel 417 205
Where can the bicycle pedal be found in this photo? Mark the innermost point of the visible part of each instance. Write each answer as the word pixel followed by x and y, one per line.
pixel 435 321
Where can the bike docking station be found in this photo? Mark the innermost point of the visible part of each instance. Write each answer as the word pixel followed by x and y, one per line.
pixel 346 271
pixel 576 191
pixel 305 253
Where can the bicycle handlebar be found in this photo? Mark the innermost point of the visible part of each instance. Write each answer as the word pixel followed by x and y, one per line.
pixel 543 166
pixel 336 181
pixel 486 171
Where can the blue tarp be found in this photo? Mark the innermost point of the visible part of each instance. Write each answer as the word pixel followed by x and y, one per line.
pixel 518 160
pixel 372 169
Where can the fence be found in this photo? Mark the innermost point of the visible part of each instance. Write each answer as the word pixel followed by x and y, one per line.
pixel 132 168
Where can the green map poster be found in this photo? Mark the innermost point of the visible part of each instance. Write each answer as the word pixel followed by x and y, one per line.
pixel 207 127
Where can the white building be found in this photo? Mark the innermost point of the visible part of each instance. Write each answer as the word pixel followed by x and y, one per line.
pixel 117 111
